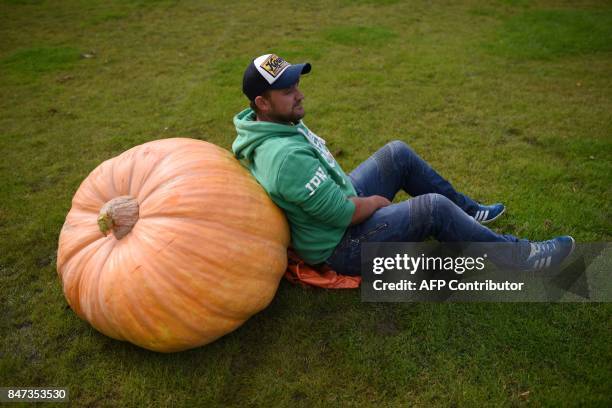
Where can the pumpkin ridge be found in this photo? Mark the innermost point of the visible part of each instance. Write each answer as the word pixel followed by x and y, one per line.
pixel 141 162
pixel 215 225
pixel 130 177
pixel 108 174
pixel 209 279
pixel 136 319
pixel 161 294
pixel 123 167
pixel 78 248
pixel 212 279
pixel 137 316
pixel 248 236
pixel 88 283
pixel 110 324
pixel 151 173
pixel 74 280
pixel 92 188
pixel 166 188
pixel 200 175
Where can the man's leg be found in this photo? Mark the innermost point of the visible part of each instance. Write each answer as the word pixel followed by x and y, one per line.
pixel 395 166
pixel 443 214
pixel 414 220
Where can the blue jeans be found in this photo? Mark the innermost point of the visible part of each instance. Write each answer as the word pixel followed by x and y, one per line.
pixel 436 210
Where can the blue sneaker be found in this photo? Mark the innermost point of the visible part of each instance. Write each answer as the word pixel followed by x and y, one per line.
pixel 488 213
pixel 549 253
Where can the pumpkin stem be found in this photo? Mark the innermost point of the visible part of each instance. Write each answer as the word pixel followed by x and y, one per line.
pixel 119 215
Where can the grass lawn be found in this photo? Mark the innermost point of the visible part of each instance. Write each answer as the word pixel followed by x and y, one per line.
pixel 511 100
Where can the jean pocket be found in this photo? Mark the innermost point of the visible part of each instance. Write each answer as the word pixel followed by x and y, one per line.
pixel 368 235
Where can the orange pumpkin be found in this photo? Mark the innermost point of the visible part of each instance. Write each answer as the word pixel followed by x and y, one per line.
pixel 171 245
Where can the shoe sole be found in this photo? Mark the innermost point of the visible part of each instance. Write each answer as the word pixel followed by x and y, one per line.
pixel 564 260
pixel 573 247
pixel 494 218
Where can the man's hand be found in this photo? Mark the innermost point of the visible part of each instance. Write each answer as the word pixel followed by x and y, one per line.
pixel 366 206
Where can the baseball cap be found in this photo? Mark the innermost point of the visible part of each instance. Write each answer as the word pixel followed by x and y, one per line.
pixel 270 71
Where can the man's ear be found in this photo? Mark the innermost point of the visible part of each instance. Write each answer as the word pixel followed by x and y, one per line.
pixel 262 103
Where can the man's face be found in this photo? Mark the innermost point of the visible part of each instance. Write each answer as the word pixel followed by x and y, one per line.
pixel 285 105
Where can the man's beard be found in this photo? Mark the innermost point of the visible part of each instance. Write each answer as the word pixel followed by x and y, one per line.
pixel 289 118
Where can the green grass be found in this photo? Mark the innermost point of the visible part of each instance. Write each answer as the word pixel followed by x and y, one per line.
pixel 356 36
pixel 553 33
pixel 38 60
pixel 510 100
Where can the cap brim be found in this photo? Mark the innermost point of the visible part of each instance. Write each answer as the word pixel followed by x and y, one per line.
pixel 291 76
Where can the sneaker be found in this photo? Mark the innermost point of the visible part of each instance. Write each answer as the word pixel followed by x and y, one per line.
pixel 549 253
pixel 488 213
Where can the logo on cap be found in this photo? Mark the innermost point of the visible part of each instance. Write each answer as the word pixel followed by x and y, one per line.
pixel 274 65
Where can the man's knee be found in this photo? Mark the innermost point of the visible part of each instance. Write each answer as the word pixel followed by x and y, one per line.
pixel 424 205
pixel 439 202
pixel 399 145
pixel 442 206
pixel 401 149
pixel 432 210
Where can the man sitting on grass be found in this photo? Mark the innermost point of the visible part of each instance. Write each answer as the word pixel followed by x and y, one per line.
pixel 332 214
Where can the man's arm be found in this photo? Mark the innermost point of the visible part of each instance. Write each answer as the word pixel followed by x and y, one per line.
pixel 365 207
pixel 301 179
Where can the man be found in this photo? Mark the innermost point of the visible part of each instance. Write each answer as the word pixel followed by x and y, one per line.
pixel 332 214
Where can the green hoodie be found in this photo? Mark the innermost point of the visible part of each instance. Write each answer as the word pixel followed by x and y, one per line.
pixel 301 176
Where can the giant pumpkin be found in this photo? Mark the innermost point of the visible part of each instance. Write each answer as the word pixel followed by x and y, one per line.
pixel 171 245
